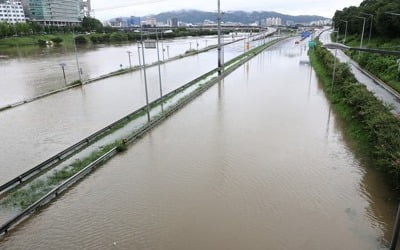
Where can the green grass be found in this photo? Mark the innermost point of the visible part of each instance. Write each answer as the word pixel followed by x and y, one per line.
pixel 33 40
pixel 26 196
pixel 385 67
pixel 371 125
pixel 353 128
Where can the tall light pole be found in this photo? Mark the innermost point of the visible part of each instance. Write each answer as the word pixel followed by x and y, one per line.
pixel 162 46
pixel 219 39
pixel 345 32
pixel 372 23
pixel 398 61
pixel 145 75
pixel 159 66
pixel 76 58
pixel 129 56
pixel 363 29
pixel 334 63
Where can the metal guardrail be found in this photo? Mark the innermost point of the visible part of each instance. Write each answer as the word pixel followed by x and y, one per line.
pixel 69 182
pixel 112 74
pixel 65 154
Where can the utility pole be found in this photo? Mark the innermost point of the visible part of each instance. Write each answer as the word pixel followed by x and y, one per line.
pixel 162 46
pixel 363 30
pixel 334 64
pixel 145 75
pixel 372 23
pixel 159 66
pixel 138 48
pixel 219 39
pixel 168 51
pixel 129 56
pixel 76 58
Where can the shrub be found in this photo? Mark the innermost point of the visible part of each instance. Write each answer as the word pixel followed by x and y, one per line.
pixel 57 40
pixel 80 40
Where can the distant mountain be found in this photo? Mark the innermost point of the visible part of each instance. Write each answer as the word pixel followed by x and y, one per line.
pixel 195 16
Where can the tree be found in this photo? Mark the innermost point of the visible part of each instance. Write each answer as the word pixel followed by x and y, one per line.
pixel 91 24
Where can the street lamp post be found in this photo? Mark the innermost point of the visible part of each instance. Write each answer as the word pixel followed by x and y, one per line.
pixel 138 48
pixel 370 28
pixel 145 75
pixel 219 39
pixel 363 30
pixel 63 70
pixel 334 63
pixel 76 59
pixel 398 61
pixel 159 66
pixel 129 56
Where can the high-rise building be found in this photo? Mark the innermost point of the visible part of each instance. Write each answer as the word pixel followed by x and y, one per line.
pixel 274 21
pixel 173 22
pixel 11 11
pixel 150 21
pixel 54 12
pixel 86 8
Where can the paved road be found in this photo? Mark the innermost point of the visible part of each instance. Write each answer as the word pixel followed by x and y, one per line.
pixel 371 84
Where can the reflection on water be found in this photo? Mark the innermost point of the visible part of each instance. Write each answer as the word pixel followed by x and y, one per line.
pixel 248 165
pixel 31 71
pixel 45 127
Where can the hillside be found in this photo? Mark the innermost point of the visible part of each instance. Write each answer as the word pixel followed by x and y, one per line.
pixel 195 16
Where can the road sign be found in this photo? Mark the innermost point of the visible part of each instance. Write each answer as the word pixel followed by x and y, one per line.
pixel 150 44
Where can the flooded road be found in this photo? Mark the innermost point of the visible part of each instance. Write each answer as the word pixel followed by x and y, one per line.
pixel 32 71
pixel 34 132
pixel 259 161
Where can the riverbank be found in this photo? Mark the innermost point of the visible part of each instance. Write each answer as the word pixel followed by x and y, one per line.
pixel 369 122
pixel 385 67
pixel 94 38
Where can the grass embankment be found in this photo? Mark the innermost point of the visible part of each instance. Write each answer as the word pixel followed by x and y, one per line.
pixel 385 67
pixel 95 38
pixel 373 127
pixel 33 40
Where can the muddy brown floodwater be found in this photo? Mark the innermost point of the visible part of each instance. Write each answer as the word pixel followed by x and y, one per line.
pixel 259 161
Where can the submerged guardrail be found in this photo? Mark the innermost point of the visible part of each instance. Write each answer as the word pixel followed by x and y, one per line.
pixel 231 66
pixel 65 154
pixel 117 73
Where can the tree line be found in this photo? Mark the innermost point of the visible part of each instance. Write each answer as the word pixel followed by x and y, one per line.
pixel 31 28
pixel 383 24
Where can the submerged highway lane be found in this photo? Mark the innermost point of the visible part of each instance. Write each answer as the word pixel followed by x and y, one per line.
pixel 36 131
pixel 260 161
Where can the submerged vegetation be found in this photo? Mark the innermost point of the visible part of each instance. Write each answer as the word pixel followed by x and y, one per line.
pixel 26 196
pixel 372 124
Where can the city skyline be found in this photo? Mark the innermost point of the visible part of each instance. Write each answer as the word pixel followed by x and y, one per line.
pixel 104 10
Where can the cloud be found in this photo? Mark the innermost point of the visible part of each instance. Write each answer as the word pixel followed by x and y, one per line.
pixel 105 9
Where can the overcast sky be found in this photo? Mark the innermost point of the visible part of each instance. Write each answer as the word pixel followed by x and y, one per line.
pixel 105 9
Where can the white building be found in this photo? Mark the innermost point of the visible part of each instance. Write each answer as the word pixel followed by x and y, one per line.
pixel 274 21
pixel 11 11
pixel 151 21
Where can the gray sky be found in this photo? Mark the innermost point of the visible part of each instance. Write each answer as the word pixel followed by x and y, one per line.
pixel 105 9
